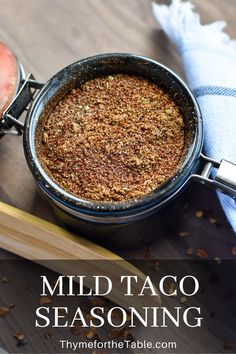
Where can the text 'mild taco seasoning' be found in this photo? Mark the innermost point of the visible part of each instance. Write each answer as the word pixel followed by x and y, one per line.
pixel 115 138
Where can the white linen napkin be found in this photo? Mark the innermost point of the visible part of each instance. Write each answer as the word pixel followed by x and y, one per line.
pixel 209 58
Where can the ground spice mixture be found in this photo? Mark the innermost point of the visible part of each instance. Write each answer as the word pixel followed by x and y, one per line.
pixel 114 138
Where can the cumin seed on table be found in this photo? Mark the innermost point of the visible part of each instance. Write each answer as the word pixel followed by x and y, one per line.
pixel 114 138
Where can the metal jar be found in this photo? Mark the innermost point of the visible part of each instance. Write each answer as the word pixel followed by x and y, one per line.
pixel 102 218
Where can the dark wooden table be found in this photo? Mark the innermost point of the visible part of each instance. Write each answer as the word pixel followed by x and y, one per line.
pixel 47 36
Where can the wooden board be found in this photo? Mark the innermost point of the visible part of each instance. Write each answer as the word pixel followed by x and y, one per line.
pixel 48 35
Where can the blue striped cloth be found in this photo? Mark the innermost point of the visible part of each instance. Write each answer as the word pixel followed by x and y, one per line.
pixel 214 91
pixel 209 58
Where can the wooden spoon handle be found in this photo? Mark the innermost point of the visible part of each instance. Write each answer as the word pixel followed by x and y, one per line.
pixel 34 238
pixel 41 241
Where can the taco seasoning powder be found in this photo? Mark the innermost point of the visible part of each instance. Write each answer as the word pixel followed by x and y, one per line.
pixel 114 138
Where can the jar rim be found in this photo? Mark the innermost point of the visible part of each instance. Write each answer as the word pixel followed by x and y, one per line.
pixel 50 90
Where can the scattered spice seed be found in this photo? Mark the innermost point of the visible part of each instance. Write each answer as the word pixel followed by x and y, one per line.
pixel 201 253
pixel 4 280
pixel 127 335
pixel 183 300
pixel 91 334
pixel 48 335
pixel 117 315
pixel 97 302
pixel 121 333
pixel 76 329
pixel 227 345
pixel 199 214
pixel 128 317
pixel 112 139
pixel 114 333
pixel 213 221
pixel 4 311
pixel 171 289
pixel 189 252
pixel 88 316
pixel 155 266
pixel 184 234
pixel 45 300
pixel 61 312
pixel 21 339
pixel 218 260
pixel 107 308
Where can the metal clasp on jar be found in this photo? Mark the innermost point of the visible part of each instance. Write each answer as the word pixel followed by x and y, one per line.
pixel 223 179
pixel 10 122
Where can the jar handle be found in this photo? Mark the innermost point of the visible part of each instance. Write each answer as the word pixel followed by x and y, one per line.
pixel 20 104
pixel 224 180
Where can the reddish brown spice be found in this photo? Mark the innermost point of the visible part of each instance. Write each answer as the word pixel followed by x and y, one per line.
pixel 199 214
pixel 48 335
pixel 76 330
pixel 184 234
pixel 20 339
pixel 189 252
pixel 227 345
pixel 45 300
pixel 91 334
pixel 114 138
pixel 3 280
pixel 121 333
pixel 4 311
pixel 201 253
